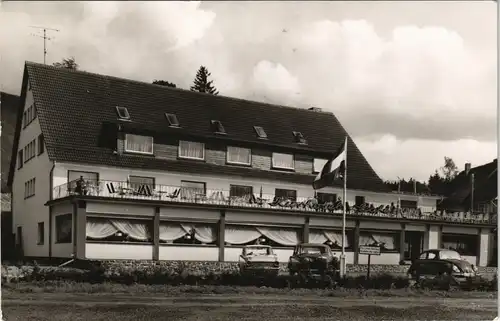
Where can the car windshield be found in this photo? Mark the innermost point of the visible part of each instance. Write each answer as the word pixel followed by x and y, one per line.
pixel 312 250
pixel 449 255
pixel 258 251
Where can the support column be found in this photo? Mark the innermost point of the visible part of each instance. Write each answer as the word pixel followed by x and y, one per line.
pixel 356 242
pixel 484 247
pixel 80 229
pixel 440 237
pixel 156 234
pixel 427 236
pixel 402 242
pixel 305 232
pixel 222 234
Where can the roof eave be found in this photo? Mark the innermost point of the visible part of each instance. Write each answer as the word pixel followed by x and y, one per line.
pixel 15 145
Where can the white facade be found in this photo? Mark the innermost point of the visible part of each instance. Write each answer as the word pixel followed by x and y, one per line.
pixel 27 213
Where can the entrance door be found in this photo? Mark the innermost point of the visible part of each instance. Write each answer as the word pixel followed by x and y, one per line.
pixel 414 244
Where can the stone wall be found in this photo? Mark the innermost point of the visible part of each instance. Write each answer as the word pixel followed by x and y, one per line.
pixel 203 268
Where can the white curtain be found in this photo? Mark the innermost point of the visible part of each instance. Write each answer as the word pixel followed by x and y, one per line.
pixel 135 230
pixel 137 143
pixel 240 235
pixel 387 240
pixel 283 236
pixel 191 149
pixel 99 229
pixel 171 232
pixel 336 237
pixel 203 233
pixel 317 237
pixel 283 160
pixel 238 155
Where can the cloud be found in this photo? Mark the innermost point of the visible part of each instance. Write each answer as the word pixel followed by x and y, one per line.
pixel 422 74
pixel 418 158
pixel 274 81
pixel 424 86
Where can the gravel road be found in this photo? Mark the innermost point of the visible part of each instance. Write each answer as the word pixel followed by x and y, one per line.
pixel 124 307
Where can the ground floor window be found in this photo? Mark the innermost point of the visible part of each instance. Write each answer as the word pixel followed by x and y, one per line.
pixel 464 244
pixel 333 238
pixel 64 228
pixel 188 233
pixel 273 236
pixel 119 230
pixel 388 241
pixel 41 233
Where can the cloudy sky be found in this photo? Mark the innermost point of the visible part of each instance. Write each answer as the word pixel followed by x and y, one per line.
pixel 412 82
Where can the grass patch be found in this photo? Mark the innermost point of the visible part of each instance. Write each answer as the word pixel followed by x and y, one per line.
pixel 193 290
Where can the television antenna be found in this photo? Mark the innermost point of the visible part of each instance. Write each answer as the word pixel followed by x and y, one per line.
pixel 45 38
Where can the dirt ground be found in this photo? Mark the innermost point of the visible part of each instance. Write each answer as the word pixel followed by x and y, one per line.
pixel 124 307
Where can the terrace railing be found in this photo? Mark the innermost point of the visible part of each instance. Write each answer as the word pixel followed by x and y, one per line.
pixel 127 190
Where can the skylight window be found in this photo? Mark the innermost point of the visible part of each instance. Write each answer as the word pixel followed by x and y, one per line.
pixel 172 120
pixel 122 113
pixel 299 138
pixel 217 127
pixel 260 132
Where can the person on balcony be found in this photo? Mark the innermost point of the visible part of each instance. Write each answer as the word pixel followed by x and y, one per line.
pixel 81 186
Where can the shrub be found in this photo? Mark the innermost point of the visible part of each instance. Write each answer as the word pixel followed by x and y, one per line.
pixel 381 281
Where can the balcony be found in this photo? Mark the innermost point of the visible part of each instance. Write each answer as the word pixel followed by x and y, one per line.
pixel 186 195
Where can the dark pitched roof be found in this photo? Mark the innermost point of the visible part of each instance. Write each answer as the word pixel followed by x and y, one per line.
pixel 485 186
pixel 9 106
pixel 74 108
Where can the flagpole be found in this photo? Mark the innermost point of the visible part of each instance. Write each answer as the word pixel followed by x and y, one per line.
pixel 342 256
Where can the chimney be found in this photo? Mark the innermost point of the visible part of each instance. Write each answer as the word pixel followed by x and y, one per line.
pixel 316 109
pixel 467 168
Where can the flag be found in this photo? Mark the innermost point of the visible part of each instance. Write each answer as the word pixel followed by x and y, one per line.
pixel 333 169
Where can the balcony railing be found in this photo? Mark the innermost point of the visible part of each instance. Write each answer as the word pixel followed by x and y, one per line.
pixel 126 190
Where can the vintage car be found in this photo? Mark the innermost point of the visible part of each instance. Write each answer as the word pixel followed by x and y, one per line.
pixel 258 261
pixel 314 262
pixel 443 268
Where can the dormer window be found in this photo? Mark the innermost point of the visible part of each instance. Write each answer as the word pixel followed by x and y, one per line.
pixel 122 113
pixel 217 127
pixel 172 120
pixel 299 138
pixel 260 132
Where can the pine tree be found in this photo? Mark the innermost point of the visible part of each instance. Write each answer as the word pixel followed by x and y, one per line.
pixel 202 84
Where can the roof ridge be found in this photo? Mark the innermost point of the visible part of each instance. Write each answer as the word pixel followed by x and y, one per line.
pixel 170 88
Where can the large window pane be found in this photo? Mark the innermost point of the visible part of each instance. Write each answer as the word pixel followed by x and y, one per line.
pixel 462 243
pixel 193 150
pixel 138 144
pixel 142 185
pixel 191 190
pixel 64 228
pixel 281 160
pixel 238 155
pixel 285 194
